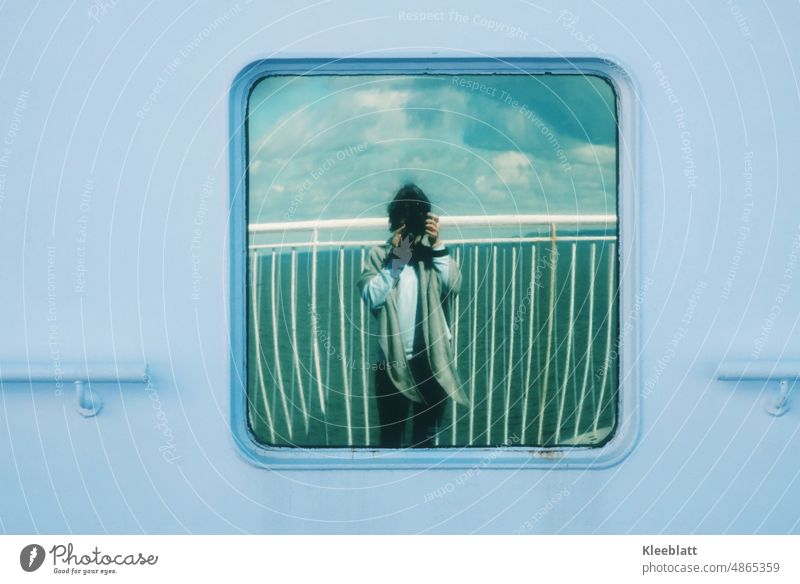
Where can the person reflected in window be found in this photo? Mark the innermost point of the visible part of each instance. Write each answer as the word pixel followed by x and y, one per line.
pixel 409 285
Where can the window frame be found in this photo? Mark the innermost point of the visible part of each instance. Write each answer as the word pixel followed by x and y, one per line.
pixel 628 427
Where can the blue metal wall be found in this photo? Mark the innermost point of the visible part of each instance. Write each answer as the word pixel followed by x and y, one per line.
pixel 114 215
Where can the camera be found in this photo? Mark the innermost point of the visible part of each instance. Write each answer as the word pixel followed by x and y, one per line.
pixel 415 218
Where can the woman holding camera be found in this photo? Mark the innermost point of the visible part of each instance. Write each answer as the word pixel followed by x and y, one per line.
pixel 408 286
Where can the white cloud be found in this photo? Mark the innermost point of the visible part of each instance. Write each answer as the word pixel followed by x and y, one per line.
pixel 380 99
pixel 596 154
pixel 513 167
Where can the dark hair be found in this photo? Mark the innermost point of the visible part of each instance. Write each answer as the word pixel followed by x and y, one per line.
pixel 411 204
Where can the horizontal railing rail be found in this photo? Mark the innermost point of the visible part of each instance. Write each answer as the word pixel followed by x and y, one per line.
pixel 783 371
pixel 444 220
pixel 81 375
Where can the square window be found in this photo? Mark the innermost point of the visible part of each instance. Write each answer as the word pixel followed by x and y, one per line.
pixel 503 334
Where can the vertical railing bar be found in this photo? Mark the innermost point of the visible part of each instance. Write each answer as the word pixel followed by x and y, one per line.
pixel 507 408
pixel 456 319
pixel 588 354
pixel 364 382
pixel 611 295
pixel 490 388
pixel 330 386
pixel 351 342
pixel 474 307
pixel 314 316
pixel 530 345
pixel 303 405
pixel 275 344
pixel 348 413
pixel 551 311
pixel 570 333
pixel 257 329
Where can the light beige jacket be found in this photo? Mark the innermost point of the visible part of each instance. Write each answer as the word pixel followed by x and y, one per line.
pixel 436 317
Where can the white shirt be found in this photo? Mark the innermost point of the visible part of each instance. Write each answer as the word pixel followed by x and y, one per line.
pixel 375 293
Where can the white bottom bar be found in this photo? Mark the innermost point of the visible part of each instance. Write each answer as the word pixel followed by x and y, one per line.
pixel 403 559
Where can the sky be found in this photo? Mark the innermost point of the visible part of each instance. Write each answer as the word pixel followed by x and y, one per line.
pixel 336 146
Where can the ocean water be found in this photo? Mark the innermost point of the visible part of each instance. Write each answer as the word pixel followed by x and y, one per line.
pixel 519 396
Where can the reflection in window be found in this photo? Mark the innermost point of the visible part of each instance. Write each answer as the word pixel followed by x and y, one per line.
pixel 521 171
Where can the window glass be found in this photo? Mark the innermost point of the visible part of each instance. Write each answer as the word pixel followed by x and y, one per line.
pixel 521 174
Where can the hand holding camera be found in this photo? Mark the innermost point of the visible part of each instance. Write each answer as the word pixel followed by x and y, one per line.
pixel 411 234
pixel 416 228
pixel 432 229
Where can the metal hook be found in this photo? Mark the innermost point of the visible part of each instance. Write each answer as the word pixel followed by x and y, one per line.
pixel 89 403
pixel 780 404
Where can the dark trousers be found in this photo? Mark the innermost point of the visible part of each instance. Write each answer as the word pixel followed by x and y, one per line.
pixel 394 407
